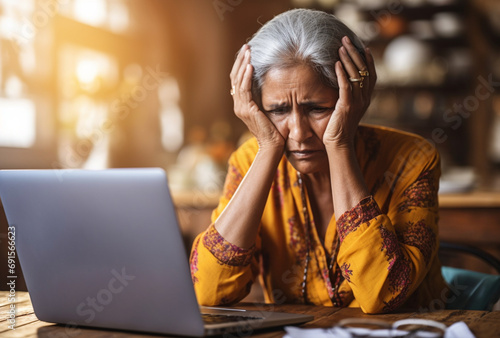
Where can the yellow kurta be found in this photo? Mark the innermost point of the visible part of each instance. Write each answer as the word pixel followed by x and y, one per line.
pixel 388 242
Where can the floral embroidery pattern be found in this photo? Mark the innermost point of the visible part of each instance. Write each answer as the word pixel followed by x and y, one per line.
pixel 389 244
pixel 346 271
pixel 350 221
pixel 399 277
pixel 421 194
pixel 332 280
pixel 420 236
pixel 194 262
pixel 297 240
pixel 233 180
pixel 328 283
pixel 226 252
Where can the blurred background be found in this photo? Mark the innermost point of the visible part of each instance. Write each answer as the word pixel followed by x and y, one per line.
pixel 125 83
pixel 121 83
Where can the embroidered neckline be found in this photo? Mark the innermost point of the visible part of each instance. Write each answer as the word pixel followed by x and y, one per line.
pixel 307 228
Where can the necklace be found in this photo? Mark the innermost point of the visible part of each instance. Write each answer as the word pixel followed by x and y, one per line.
pixel 307 227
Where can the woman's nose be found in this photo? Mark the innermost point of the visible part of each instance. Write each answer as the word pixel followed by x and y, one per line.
pixel 299 127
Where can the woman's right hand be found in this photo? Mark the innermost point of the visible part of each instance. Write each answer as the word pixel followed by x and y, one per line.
pixel 245 107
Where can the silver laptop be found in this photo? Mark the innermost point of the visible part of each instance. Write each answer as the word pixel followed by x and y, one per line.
pixel 104 249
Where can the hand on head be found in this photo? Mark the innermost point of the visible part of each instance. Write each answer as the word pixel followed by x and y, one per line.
pixel 245 107
pixel 356 81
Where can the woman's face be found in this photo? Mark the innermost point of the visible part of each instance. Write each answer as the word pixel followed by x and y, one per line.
pixel 300 105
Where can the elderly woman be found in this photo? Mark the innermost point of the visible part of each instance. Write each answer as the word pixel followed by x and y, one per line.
pixel 323 210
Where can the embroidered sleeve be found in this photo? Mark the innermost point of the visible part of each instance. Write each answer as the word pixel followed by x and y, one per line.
pixel 421 193
pixel 222 272
pixel 226 252
pixel 364 211
pixel 385 257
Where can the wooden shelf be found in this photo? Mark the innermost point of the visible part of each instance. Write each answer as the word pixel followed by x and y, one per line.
pixel 474 199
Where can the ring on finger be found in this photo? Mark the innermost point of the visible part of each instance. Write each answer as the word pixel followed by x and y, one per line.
pixel 357 80
pixel 233 88
pixel 363 74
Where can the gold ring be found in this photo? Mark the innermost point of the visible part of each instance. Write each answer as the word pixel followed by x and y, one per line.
pixel 232 90
pixel 363 74
pixel 357 80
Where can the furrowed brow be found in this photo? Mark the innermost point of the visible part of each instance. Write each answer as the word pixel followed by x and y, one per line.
pixel 314 103
pixel 277 106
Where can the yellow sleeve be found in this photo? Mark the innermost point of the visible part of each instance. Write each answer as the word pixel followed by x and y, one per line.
pixel 385 257
pixel 222 272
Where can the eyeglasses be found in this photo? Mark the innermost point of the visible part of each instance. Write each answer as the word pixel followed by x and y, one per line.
pixel 363 327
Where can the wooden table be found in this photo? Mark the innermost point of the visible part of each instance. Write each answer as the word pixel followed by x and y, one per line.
pixel 482 323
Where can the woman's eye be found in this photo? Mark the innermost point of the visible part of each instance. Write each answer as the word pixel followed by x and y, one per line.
pixel 277 111
pixel 320 110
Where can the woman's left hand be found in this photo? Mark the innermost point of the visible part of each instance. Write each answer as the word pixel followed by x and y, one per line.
pixel 354 97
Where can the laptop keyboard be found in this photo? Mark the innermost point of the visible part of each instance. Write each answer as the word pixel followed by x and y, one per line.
pixel 210 318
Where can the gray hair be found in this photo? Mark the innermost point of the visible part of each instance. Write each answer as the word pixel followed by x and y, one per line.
pixel 299 36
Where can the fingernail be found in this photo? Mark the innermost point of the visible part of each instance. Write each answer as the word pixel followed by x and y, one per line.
pixel 342 50
pixel 346 39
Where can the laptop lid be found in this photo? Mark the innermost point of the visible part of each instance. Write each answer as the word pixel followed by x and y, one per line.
pixel 104 249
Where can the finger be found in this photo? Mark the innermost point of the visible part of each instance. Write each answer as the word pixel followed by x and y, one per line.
pixel 351 69
pixel 246 83
pixel 345 93
pixel 353 53
pixel 371 69
pixel 237 63
pixel 243 67
pixel 360 64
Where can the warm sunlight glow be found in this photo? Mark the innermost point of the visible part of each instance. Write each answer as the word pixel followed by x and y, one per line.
pixel 118 17
pixel 91 12
pixel 86 71
pixel 17 123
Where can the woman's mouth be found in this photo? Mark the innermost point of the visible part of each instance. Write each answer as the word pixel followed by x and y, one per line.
pixel 303 154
